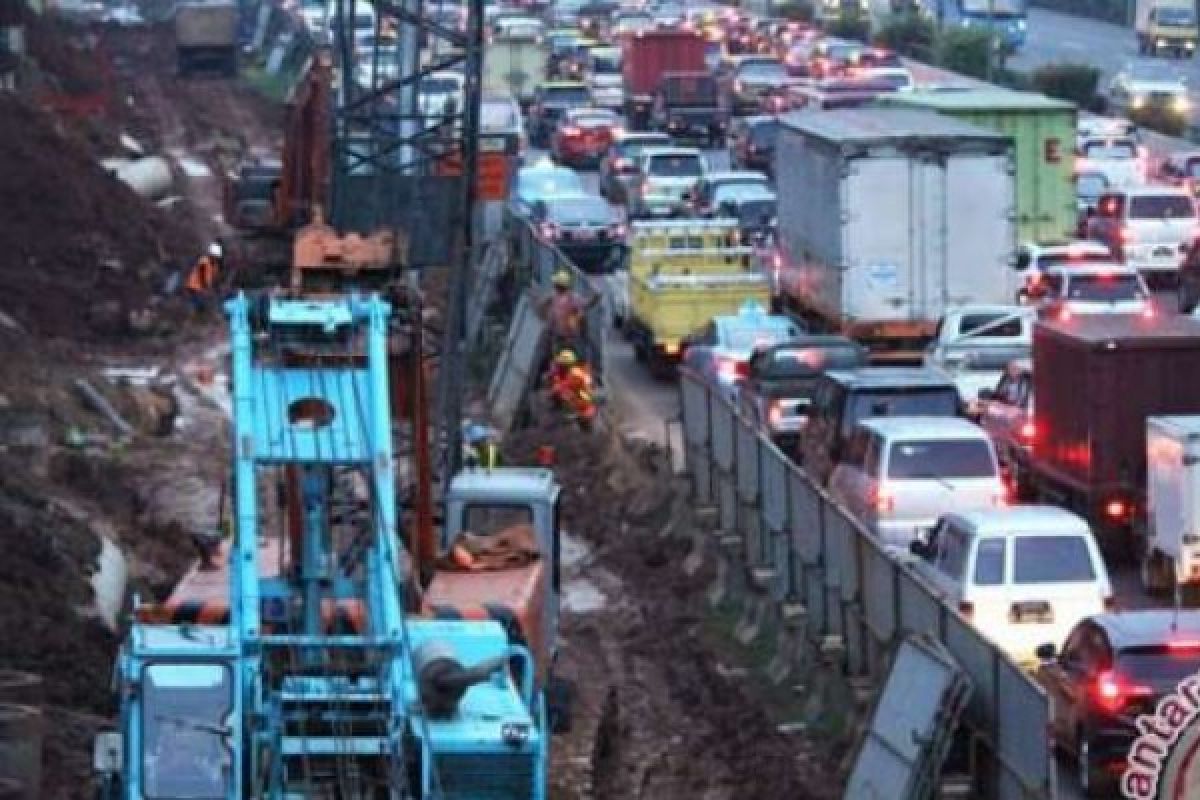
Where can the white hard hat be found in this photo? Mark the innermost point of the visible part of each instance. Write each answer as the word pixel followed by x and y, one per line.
pixel 214 250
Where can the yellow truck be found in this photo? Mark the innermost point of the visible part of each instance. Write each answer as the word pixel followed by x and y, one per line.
pixel 665 308
pixel 684 247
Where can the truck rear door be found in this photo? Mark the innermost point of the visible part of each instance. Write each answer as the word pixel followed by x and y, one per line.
pixel 876 240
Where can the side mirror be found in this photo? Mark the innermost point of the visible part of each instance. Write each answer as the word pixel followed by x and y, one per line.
pixel 1046 652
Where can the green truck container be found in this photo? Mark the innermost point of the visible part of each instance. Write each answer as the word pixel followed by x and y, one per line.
pixel 1043 132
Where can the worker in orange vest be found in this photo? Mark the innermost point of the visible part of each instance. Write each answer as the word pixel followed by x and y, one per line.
pixel 202 280
pixel 571 387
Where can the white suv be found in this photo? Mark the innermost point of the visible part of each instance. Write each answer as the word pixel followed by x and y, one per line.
pixel 1022 576
pixel 667 177
pixel 899 474
pixel 1095 289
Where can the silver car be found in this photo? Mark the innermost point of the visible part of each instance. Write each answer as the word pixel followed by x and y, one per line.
pixel 667 177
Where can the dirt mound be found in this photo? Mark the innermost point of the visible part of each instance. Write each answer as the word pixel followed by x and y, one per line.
pixel 661 716
pixel 78 249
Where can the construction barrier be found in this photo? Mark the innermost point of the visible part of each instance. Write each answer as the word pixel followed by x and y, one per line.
pixel 803 556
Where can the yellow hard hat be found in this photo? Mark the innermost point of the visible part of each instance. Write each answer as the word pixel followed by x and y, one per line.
pixel 565 359
pixel 561 278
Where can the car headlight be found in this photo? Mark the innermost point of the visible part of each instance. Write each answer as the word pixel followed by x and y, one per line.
pixel 1137 101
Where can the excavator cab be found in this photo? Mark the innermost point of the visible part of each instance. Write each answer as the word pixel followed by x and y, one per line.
pixel 510 517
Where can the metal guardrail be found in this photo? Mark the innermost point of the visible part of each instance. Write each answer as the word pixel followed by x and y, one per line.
pixel 813 553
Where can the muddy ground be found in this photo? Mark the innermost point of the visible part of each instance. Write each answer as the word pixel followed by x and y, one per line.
pixel 660 711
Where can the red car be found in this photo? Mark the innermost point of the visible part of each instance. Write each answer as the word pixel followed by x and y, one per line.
pixel 584 135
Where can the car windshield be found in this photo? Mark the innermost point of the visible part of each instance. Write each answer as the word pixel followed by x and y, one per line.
pixel 750 339
pixel 1109 150
pixel 984 359
pixel 1069 258
pixel 574 210
pixel 765 134
pixel 547 183
pixel 1152 72
pixel 805 362
pixel 632 148
pixel 435 85
pixel 1091 184
pixel 1052 559
pixel 1175 17
pixel 1160 206
pixel 567 95
pixel 594 120
pixel 763 71
pixel 1004 324
pixel 498 115
pixel 751 212
pixel 1104 288
pixel 940 458
pixel 742 189
pixel 908 402
pixel 675 166
pixel 607 59
pixel 1158 666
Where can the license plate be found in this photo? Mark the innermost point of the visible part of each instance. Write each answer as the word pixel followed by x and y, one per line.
pixel 1032 612
pixel 1163 252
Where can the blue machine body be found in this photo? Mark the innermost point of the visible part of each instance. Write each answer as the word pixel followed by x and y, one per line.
pixel 281 703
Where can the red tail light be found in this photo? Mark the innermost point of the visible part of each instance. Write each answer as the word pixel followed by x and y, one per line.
pixel 775 415
pixel 1115 509
pixel 1112 692
pixel 883 500
pixel 571 130
pixel 1184 644
pixel 1065 314
pixel 1125 234
pixel 1148 312
pixel 731 369
pixel 1028 432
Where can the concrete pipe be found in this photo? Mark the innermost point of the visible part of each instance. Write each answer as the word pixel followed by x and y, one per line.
pixel 24 688
pixel 109 584
pixel 22 729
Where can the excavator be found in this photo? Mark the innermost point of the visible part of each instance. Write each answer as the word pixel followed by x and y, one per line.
pixel 309 654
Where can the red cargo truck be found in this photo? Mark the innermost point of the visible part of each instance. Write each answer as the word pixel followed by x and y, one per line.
pixel 1096 379
pixel 647 56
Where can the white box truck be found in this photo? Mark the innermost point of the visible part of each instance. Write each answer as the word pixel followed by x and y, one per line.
pixel 1172 552
pixel 887 219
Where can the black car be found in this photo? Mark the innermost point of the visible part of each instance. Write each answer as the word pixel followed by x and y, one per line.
pixel 752 143
pixel 1112 668
pixel 585 228
pixel 777 393
pixel 550 102
pixel 754 208
pixel 687 106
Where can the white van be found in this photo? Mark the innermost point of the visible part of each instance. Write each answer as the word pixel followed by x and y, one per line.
pixel 1023 576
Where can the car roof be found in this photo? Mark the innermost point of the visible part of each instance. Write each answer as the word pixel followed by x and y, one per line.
pixel 1021 519
pixel 670 151
pixel 1148 627
pixel 735 175
pixel 935 428
pixel 1092 268
pixel 890 378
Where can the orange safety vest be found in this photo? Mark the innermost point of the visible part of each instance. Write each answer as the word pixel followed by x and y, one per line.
pixel 203 276
pixel 574 388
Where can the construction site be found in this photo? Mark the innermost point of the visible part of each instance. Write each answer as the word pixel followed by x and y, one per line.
pixel 120 484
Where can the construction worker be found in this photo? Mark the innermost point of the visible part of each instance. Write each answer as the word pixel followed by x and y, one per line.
pixel 564 312
pixel 571 387
pixel 482 448
pixel 202 280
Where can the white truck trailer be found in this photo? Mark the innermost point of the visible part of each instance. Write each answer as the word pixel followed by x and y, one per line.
pixel 1172 553
pixel 888 218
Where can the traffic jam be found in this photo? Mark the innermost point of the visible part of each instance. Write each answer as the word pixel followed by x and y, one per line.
pixel 965 312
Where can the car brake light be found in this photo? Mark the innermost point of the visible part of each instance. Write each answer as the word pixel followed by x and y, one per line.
pixel 1064 314
pixel 1148 311
pixel 1112 693
pixel 1184 644
pixel 966 609
pixel 728 368
pixel 571 130
pixel 883 500
pixel 1125 234
pixel 1115 509
pixel 1028 432
pixel 775 415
